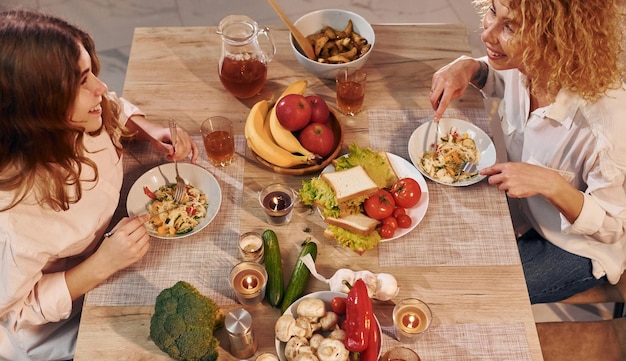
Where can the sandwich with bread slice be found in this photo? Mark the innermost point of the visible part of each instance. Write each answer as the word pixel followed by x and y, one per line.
pixel 339 196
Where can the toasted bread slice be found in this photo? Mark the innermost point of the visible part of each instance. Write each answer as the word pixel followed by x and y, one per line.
pixel 392 176
pixel 357 223
pixel 350 183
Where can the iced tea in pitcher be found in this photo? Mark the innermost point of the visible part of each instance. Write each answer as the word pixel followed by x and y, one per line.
pixel 243 63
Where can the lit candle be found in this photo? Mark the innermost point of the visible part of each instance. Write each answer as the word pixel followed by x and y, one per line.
pixel 411 318
pixel 250 283
pixel 277 201
pixel 410 321
pixel 248 280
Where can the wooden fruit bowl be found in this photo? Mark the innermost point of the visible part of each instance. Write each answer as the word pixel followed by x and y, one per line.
pixel 338 130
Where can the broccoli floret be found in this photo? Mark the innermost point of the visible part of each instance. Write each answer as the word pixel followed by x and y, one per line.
pixel 183 323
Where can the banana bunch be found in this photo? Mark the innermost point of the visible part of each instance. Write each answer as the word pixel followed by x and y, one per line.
pixel 270 140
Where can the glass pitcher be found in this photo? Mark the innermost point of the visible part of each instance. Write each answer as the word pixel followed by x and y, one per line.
pixel 243 63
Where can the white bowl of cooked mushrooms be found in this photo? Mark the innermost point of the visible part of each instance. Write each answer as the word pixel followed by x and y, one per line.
pixel 353 34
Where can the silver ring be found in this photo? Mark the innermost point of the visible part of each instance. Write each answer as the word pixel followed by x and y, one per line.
pixel 108 234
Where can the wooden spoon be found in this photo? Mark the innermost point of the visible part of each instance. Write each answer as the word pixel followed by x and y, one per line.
pixel 300 39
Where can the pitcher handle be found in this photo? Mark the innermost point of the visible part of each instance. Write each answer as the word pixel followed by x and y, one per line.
pixel 265 31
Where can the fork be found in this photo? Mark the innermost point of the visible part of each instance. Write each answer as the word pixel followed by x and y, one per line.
pixel 180 183
pixel 469 167
pixel 436 138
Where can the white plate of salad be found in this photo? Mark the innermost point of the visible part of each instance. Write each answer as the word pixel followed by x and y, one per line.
pixel 151 193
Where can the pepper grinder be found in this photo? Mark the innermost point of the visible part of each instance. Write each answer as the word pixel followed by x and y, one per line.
pixel 238 323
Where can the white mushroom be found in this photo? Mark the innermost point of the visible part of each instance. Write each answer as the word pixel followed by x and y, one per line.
pixel 329 320
pixel 311 307
pixel 306 356
pixel 286 327
pixel 332 350
pixel 305 324
pixel 315 341
pixel 294 346
pixel 338 334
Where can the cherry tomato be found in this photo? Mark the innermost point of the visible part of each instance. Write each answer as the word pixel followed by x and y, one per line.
pixel 386 231
pixel 391 222
pixel 380 205
pixel 398 212
pixel 404 221
pixel 338 305
pixel 406 192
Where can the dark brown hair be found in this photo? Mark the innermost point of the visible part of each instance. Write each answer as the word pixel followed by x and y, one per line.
pixel 41 153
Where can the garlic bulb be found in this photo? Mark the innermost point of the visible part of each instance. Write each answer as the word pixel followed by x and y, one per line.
pixel 336 281
pixel 386 287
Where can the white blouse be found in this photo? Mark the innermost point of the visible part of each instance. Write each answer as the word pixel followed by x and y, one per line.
pixel 584 142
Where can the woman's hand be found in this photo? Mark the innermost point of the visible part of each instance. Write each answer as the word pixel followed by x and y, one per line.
pixel 160 137
pixel 127 245
pixel 522 180
pixel 450 83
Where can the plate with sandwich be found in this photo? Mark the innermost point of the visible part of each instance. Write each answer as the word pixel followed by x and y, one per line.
pixel 342 187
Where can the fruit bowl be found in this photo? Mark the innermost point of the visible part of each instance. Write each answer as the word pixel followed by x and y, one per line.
pixel 314 21
pixel 338 131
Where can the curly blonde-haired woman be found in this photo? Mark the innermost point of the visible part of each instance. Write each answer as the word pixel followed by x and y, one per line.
pixel 555 66
pixel 60 180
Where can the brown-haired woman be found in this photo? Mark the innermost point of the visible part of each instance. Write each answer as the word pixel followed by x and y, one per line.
pixel 60 181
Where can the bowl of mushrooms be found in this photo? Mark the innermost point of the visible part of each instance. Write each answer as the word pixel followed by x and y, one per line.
pixel 310 330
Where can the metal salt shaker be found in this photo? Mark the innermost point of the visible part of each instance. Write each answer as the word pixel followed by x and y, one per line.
pixel 238 323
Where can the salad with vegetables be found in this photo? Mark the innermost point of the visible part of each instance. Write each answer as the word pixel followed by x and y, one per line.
pixel 171 218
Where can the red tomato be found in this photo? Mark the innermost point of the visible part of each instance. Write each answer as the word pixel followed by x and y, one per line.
pixel 398 212
pixel 386 231
pixel 406 192
pixel 391 222
pixel 380 205
pixel 404 221
pixel 338 305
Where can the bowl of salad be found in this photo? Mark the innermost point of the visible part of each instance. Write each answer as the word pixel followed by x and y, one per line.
pixel 153 192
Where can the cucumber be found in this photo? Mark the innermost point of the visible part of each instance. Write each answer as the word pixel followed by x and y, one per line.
pixel 299 276
pixel 275 288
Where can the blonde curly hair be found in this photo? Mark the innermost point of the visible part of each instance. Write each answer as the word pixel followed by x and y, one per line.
pixel 568 44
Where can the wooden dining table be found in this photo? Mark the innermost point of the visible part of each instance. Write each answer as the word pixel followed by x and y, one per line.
pixel 461 258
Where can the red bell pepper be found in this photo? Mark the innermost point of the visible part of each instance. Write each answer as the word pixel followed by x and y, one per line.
pixel 359 318
pixel 371 353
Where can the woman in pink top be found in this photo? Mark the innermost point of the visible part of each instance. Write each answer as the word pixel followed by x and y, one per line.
pixel 60 180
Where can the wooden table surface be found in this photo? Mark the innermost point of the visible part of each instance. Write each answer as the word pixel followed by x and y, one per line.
pixel 173 72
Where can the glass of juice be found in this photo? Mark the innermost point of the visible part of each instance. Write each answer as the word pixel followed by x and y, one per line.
pixel 350 90
pixel 219 140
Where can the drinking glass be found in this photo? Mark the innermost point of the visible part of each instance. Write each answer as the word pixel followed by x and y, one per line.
pixel 350 90
pixel 219 140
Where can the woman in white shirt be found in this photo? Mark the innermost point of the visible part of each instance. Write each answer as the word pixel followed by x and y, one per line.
pixel 60 181
pixel 555 65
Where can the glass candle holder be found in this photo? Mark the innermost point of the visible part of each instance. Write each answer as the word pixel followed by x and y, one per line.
pixel 411 319
pixel 248 280
pixel 277 201
pixel 251 247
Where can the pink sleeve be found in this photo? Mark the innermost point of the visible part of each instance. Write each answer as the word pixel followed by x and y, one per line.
pixel 127 108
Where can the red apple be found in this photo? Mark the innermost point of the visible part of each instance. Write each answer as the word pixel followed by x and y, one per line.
pixel 317 138
pixel 293 112
pixel 319 109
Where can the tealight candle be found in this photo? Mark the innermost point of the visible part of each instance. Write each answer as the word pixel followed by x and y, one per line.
pixel 411 318
pixel 277 201
pixel 251 247
pixel 248 280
